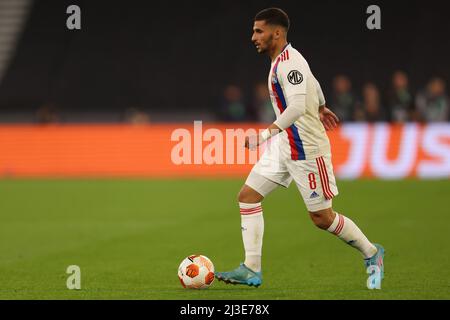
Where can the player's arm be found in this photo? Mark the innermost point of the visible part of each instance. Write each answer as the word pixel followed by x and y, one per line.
pixel 254 141
pixel 293 80
pixel 294 110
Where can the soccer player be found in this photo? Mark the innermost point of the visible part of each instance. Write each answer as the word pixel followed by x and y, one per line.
pixel 298 150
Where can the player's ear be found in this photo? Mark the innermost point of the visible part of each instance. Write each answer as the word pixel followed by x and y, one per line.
pixel 277 33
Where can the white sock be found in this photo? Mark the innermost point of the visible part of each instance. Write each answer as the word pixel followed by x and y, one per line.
pixel 349 232
pixel 252 225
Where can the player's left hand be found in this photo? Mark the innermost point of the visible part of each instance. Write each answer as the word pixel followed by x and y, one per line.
pixel 329 119
pixel 252 142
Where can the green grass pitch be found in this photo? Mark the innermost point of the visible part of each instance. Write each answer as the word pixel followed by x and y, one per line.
pixel 129 236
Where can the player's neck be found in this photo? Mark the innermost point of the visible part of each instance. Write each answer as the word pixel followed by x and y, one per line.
pixel 277 49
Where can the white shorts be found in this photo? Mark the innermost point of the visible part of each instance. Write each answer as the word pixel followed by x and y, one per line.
pixel 314 178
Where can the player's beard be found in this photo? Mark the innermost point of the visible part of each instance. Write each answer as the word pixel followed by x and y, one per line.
pixel 268 44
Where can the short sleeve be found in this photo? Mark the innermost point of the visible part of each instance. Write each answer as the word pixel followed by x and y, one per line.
pixel 293 77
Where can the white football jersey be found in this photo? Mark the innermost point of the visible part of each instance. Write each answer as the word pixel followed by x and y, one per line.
pixel 290 75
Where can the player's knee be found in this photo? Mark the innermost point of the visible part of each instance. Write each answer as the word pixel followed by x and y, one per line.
pixel 248 195
pixel 323 218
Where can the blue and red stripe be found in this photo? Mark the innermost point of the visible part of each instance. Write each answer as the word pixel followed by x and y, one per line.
pixel 297 151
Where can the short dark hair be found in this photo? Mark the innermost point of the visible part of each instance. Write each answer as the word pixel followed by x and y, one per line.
pixel 274 16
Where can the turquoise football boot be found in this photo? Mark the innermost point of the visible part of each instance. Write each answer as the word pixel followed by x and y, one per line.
pixel 376 260
pixel 241 275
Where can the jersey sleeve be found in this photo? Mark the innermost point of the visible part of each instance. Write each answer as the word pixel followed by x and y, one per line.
pixel 293 78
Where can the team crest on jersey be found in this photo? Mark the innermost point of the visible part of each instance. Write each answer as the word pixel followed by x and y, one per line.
pixel 295 77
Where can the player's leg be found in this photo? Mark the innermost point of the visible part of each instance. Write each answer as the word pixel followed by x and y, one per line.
pixel 317 184
pixel 324 217
pixel 252 226
pixel 268 174
pixel 344 228
pixel 252 221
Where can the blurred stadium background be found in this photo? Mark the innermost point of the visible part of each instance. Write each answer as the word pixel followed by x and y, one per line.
pixel 104 101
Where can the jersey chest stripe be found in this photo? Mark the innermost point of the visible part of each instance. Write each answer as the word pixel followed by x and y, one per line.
pixel 300 152
pixel 294 148
pixel 274 88
pixel 297 151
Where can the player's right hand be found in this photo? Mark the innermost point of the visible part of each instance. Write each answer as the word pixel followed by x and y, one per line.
pixel 252 142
